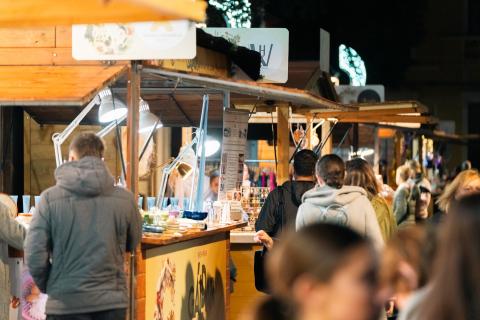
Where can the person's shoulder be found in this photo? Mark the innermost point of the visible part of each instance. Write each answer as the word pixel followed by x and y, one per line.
pixel 54 193
pixel 379 201
pixel 122 193
pixel 361 201
pixel 307 208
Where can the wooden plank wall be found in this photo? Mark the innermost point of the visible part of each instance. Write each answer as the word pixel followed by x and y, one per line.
pixel 39 156
pixel 39 46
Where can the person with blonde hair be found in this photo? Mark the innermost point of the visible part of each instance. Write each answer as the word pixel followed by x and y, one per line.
pixel 401 196
pixel 465 183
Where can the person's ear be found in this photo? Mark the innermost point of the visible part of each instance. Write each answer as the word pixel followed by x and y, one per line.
pixel 410 276
pixel 305 286
pixel 320 181
pixel 72 156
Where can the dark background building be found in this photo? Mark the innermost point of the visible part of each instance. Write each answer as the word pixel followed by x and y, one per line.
pixel 428 50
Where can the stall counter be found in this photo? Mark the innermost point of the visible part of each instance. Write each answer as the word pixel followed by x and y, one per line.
pixel 243 248
pixel 185 277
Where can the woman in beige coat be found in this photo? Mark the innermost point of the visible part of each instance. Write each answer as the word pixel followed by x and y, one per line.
pixel 11 234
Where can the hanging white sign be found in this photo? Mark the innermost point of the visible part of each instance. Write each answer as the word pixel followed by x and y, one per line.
pixel 271 43
pixel 235 128
pixel 134 41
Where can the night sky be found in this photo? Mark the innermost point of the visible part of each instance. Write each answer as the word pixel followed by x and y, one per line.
pixel 382 32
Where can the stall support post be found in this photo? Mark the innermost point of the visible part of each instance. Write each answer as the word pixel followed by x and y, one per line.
pixel 376 155
pixel 328 146
pixel 133 101
pixel 283 143
pixel 309 133
pixel 186 135
pixel 420 152
pixel 398 150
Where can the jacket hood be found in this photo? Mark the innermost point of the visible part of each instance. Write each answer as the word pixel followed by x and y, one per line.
pixel 299 188
pixel 88 177
pixel 325 195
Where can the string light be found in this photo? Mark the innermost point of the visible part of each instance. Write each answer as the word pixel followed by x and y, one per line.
pixel 237 13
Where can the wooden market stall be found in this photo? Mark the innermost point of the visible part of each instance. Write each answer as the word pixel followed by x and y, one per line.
pixel 245 95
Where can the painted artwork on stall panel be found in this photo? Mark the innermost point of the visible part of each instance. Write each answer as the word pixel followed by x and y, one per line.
pixel 187 282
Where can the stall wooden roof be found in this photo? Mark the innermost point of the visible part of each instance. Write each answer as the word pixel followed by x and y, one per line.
pixel 17 13
pixel 274 93
pixel 54 85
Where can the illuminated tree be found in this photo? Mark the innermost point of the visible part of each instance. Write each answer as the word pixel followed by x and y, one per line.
pixel 237 13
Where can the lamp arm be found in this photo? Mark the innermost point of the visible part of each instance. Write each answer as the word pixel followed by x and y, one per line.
pixel 201 143
pixel 150 136
pixel 59 138
pixel 167 170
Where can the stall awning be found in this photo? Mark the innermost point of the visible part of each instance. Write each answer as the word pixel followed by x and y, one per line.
pixel 18 13
pixel 274 93
pixel 389 113
pixel 54 85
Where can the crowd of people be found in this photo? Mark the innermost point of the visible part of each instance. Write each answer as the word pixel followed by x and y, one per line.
pixel 336 248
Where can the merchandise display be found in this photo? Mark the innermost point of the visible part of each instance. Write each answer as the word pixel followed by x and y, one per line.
pixel 253 198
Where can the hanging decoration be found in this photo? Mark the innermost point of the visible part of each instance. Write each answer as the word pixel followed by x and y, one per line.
pixel 237 13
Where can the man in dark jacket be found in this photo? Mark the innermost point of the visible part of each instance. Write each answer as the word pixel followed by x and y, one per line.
pixel 270 221
pixel 78 236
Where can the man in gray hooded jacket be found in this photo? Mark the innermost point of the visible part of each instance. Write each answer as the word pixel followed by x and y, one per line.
pixel 332 202
pixel 78 236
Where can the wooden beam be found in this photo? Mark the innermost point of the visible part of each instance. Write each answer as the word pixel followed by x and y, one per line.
pixel 133 101
pixel 398 149
pixel 40 37
pixel 27 165
pixel 388 106
pixel 283 144
pixel 186 135
pixel 362 113
pixel 44 57
pixel 376 147
pixel 328 146
pixel 27 13
pixel 309 133
pixel 391 119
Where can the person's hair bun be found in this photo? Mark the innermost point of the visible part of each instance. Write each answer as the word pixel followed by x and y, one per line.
pixel 334 179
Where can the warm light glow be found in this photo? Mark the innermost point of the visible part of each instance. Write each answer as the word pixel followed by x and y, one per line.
pixel 211 147
pixel 362 153
pixel 335 81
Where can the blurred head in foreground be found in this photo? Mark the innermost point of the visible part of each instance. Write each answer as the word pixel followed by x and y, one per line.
pixel 325 271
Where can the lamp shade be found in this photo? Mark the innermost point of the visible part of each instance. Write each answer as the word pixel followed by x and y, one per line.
pixel 147 119
pixel 111 108
pixel 211 147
